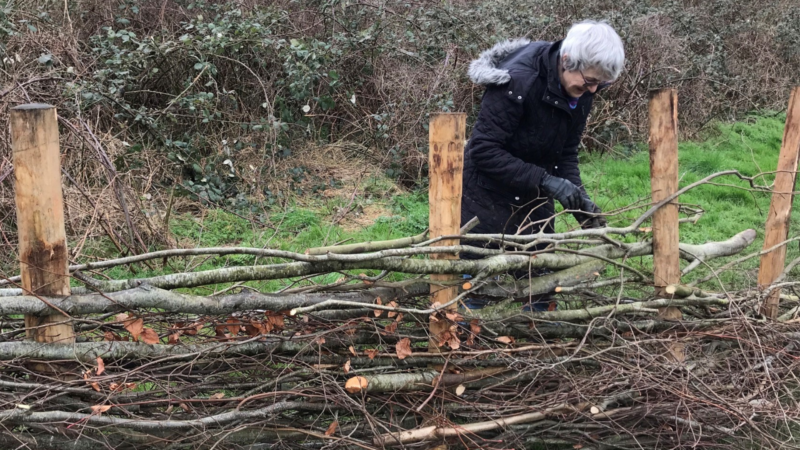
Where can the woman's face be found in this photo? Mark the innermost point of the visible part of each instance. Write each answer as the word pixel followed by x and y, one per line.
pixel 578 82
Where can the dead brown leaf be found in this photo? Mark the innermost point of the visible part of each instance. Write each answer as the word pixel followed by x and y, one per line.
pixel 453 316
pixel 449 338
pixel 219 330
pixel 110 336
pixel 134 327
pixel 403 348
pixel 116 387
pixel 346 367
pixel 254 328
pixel 332 428
pixel 95 386
pixel 474 326
pixel 275 319
pixel 100 409
pixel 173 338
pixel 391 328
pixel 233 325
pixel 217 396
pixel 454 342
pixel 506 339
pixel 101 367
pixel 371 353
pixel 378 312
pixel 193 329
pixel 149 336
pixel 352 350
pixel 393 304
pixel 471 339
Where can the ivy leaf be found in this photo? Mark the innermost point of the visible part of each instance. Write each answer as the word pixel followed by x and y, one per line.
pixel 46 59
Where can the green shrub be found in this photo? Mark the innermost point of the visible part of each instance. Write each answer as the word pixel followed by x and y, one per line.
pixel 210 88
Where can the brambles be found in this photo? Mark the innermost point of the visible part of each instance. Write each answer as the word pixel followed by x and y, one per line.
pixel 214 88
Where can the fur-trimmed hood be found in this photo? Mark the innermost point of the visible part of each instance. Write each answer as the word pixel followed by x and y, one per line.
pixel 485 70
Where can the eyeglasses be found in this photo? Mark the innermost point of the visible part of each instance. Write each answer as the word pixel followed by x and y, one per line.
pixel 600 84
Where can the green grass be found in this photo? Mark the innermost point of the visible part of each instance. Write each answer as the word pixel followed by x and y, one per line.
pixel 750 147
pixel 614 182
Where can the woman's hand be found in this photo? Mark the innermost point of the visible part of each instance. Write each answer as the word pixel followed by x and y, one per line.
pixel 592 219
pixel 569 195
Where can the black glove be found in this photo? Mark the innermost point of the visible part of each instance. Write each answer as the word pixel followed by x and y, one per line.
pixel 590 220
pixel 562 190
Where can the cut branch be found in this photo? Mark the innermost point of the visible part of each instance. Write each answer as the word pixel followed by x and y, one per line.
pixel 434 432
pixel 500 313
pixel 482 268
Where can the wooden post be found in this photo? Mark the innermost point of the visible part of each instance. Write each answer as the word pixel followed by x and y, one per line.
pixel 780 208
pixel 446 162
pixel 664 182
pixel 40 215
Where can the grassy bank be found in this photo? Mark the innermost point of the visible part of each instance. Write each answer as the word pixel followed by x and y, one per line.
pixel 379 210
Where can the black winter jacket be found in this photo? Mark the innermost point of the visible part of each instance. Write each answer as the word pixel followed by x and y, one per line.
pixel 525 128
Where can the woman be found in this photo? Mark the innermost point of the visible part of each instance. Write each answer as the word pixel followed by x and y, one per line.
pixel 523 152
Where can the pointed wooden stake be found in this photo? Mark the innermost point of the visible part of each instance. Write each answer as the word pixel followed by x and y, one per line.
pixel 446 162
pixel 40 216
pixel 664 182
pixel 780 208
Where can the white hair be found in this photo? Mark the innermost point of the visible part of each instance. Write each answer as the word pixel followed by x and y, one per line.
pixel 593 45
